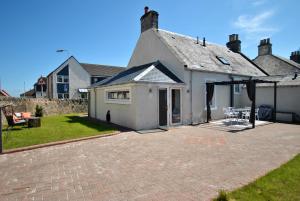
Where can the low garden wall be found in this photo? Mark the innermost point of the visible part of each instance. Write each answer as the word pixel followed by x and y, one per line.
pixel 50 106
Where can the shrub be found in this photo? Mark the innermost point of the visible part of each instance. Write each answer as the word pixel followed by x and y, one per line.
pixel 39 111
pixel 222 196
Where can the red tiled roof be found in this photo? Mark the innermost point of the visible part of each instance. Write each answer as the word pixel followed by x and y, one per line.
pixel 4 93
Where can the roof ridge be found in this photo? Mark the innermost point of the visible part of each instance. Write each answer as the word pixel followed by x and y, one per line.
pixel 286 60
pixel 192 38
pixel 103 65
pixel 253 63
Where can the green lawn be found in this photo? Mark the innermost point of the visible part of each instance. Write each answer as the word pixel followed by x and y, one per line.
pixel 54 128
pixel 280 184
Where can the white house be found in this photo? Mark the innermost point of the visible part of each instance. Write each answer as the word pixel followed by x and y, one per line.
pixel 165 81
pixel 71 79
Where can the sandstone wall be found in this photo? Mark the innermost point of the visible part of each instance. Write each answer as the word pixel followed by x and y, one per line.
pixel 51 106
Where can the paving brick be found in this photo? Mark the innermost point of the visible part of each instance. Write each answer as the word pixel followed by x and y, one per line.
pixel 189 163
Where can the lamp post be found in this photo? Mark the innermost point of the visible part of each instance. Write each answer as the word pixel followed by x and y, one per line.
pixel 63 50
pixel 1 147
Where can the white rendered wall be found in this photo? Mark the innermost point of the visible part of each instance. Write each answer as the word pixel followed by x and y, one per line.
pixel 92 104
pixel 78 78
pixel 121 114
pixel 288 99
pixel 222 94
pixel 150 48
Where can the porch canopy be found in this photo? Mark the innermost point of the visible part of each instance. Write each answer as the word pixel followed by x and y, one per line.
pixel 251 91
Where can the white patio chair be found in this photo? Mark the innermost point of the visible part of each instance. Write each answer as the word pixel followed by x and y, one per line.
pixel 246 113
pixel 230 113
pixel 256 114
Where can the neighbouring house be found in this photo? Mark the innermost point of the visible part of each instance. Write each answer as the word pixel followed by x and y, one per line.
pixel 165 81
pixel 4 93
pixel 28 94
pixel 71 79
pixel 39 89
pixel 283 70
pixel 288 96
pixel 274 64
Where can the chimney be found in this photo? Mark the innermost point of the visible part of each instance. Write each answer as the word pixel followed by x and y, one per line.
pixel 295 56
pixel 149 20
pixel 265 47
pixel 234 43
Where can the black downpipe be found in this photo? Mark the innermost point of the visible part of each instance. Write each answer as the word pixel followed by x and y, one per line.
pixel 231 94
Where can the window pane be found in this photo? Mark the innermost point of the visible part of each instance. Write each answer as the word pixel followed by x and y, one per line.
pixel 176 106
pixel 120 95
pixel 127 95
pixel 66 79
pixel 59 78
pixel 237 88
pixel 60 96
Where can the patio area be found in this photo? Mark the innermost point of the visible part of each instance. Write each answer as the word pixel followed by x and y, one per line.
pixel 188 163
pixel 233 125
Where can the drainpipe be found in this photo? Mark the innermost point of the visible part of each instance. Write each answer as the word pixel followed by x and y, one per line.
pixel 191 95
pixel 95 103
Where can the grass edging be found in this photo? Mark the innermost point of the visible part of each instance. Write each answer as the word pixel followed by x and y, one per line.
pixel 281 183
pixel 14 150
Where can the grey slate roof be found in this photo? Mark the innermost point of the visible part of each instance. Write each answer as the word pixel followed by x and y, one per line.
pixel 277 65
pixel 101 70
pixel 152 72
pixel 292 63
pixel 283 80
pixel 196 56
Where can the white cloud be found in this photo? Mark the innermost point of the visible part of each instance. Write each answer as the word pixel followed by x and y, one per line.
pixel 256 23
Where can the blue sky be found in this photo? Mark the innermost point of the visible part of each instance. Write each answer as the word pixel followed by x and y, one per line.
pixel 105 32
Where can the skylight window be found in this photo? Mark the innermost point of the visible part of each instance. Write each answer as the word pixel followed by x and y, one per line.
pixel 223 60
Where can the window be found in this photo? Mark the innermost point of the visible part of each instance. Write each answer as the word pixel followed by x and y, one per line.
pixel 62 96
pixel 213 103
pixel 118 96
pixel 237 89
pixel 83 95
pixel 176 106
pixel 62 78
pixel 223 60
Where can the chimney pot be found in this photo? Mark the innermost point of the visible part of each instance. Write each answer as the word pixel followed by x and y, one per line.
pixel 265 47
pixel 295 56
pixel 149 19
pixel 146 9
pixel 234 43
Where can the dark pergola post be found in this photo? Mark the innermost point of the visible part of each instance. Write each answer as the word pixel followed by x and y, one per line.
pixel 254 103
pixel 207 118
pixel 231 95
pixel 275 101
pixel 1 147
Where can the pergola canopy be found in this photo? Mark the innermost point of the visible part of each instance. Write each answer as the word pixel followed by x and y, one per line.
pixel 251 91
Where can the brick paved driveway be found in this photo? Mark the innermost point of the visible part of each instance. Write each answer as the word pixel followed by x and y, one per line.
pixel 190 163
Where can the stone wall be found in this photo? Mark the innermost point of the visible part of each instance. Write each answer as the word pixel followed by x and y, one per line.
pixel 51 106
